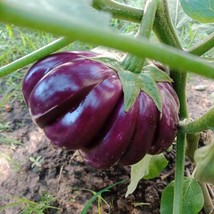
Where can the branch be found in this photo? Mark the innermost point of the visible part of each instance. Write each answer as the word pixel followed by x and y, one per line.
pixel 203 123
pixel 34 56
pixel 118 10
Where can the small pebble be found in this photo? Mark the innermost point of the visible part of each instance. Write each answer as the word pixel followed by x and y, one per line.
pixel 200 87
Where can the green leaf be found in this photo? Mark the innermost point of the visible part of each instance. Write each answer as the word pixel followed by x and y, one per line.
pixel 149 167
pixel 193 200
pixel 199 10
pixel 167 199
pixel 75 11
pixel 204 159
pixel 156 165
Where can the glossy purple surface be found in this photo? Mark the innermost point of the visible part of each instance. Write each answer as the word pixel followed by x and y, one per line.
pixel 167 86
pixel 78 127
pixel 114 139
pixel 78 103
pixel 63 83
pixel 43 66
pixel 144 131
pixel 167 126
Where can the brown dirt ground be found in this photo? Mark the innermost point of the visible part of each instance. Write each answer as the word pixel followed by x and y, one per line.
pixel 64 175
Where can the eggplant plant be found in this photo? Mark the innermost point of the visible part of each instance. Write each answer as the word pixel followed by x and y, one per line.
pixel 124 111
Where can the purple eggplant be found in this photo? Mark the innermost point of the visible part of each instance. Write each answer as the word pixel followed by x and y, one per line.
pixel 43 66
pixel 114 139
pixel 87 119
pixel 167 125
pixel 78 102
pixel 144 131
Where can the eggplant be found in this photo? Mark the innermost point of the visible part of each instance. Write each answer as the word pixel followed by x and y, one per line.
pixel 79 104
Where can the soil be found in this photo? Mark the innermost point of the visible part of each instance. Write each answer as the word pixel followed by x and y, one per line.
pixel 65 176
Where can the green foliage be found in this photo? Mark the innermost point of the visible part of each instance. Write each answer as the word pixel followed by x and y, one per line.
pixel 193 199
pixel 8 140
pixel 97 196
pixel 189 31
pixel 100 200
pixel 17 42
pixel 13 163
pixel 29 207
pixel 4 126
pixel 200 10
pixel 149 167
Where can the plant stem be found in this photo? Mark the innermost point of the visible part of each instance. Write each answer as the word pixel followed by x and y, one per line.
pixel 163 27
pixel 204 46
pixel 192 145
pixel 203 123
pixel 165 31
pixel 34 56
pixel 179 173
pixel 118 10
pixel 77 31
pixel 147 22
pixel 134 63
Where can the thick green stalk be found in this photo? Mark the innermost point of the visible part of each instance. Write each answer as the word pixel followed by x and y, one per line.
pixel 34 56
pixel 118 10
pixel 165 31
pixel 179 84
pixel 148 19
pixel 134 63
pixel 179 173
pixel 163 27
pixel 203 123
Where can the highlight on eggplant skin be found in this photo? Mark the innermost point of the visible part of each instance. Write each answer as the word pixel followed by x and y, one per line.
pixel 78 102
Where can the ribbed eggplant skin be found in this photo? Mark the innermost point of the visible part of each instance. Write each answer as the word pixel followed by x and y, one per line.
pixel 78 102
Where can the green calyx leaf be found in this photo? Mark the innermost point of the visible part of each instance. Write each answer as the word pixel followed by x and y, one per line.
pixel 149 167
pixel 157 74
pixel 131 87
pixel 134 83
pixel 193 200
pixel 199 10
